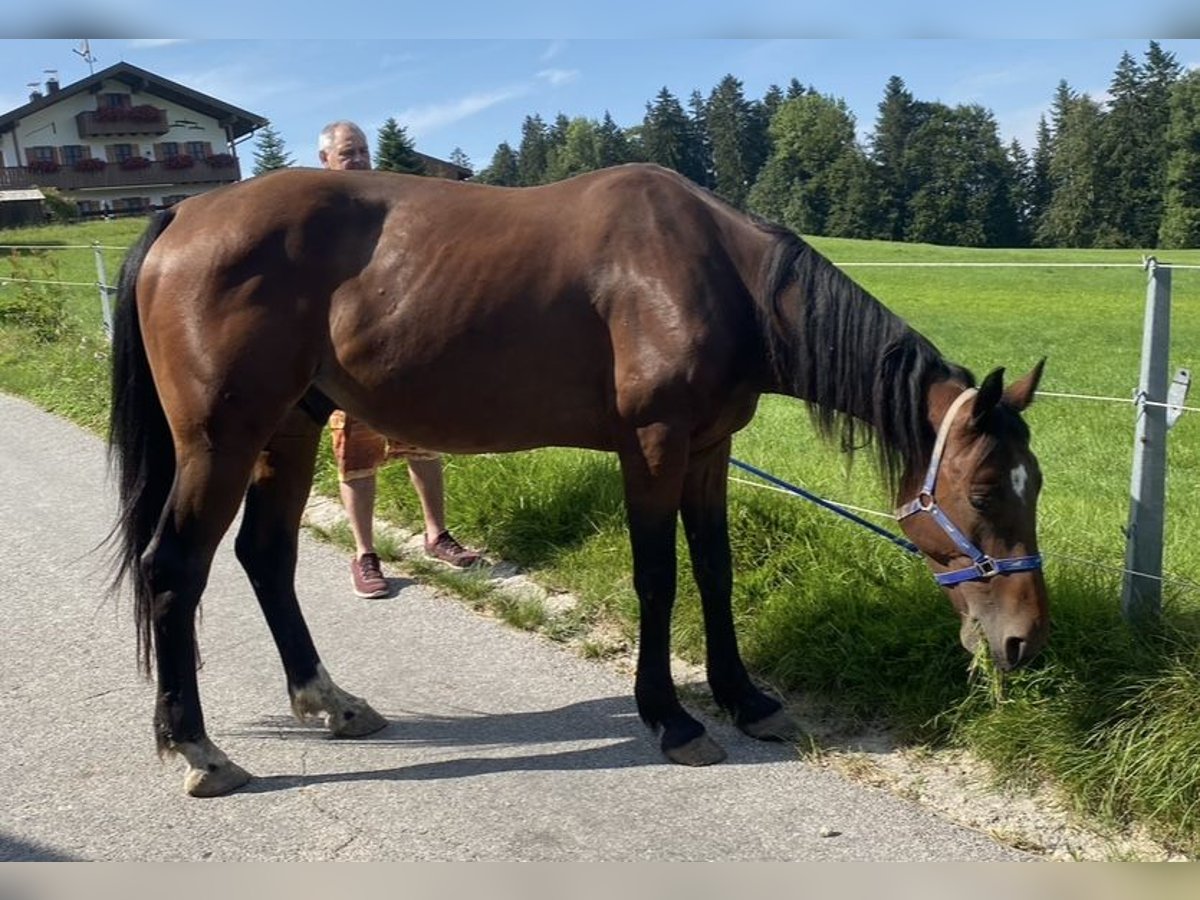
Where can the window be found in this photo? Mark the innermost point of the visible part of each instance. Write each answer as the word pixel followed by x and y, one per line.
pixel 198 149
pixel 42 154
pixel 115 101
pixel 73 153
pixel 89 207
pixel 121 152
pixel 172 199
pixel 129 204
pixel 169 149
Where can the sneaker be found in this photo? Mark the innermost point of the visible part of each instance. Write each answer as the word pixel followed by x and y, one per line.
pixel 448 550
pixel 367 577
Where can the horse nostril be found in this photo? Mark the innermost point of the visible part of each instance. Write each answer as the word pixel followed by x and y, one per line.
pixel 1014 651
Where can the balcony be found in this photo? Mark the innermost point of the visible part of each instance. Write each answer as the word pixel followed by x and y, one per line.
pixel 116 122
pixel 113 176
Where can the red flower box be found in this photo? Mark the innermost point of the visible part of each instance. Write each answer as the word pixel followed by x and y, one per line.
pixel 220 160
pixel 43 166
pixel 135 162
pixel 91 164
pixel 142 113
pixel 180 161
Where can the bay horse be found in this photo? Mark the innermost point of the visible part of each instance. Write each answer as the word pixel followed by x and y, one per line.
pixel 625 310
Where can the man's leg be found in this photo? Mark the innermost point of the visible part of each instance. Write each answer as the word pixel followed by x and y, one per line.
pixel 358 497
pixel 358 452
pixel 427 481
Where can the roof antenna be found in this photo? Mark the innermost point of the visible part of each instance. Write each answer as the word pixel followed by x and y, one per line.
pixel 85 50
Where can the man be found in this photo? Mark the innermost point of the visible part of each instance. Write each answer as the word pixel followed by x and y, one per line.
pixel 359 450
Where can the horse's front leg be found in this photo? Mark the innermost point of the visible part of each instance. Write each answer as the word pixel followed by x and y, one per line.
pixel 653 476
pixel 266 546
pixel 706 524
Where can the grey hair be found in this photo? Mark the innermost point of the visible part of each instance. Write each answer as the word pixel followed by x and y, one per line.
pixel 325 141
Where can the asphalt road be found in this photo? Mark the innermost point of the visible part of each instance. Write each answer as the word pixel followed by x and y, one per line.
pixel 502 745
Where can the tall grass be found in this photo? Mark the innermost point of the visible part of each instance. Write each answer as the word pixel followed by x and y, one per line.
pixel 1109 714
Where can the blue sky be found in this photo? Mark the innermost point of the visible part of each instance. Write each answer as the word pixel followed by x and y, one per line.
pixel 474 93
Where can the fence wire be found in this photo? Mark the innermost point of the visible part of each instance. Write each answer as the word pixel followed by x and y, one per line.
pixel 1184 583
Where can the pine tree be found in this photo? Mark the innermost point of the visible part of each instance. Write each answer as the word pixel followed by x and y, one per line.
pixel 1162 73
pixel 270 152
pixel 504 169
pixel 771 101
pixel 1040 184
pixel 669 139
pixel 1024 191
pixel 796 89
pixel 1123 177
pixel 1076 173
pixel 1181 206
pixel 557 135
pixel 897 119
pixel 698 117
pixel 533 154
pixel 612 144
pixel 459 157
pixel 394 150
pixel 733 134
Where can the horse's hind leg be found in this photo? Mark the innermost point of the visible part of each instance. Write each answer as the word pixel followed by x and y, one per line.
pixel 204 498
pixel 653 475
pixel 705 522
pixel 266 547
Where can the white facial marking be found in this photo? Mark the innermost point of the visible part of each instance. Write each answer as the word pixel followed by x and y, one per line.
pixel 1020 478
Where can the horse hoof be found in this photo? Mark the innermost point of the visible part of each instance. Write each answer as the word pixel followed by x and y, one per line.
pixel 700 751
pixel 358 721
pixel 215 780
pixel 778 726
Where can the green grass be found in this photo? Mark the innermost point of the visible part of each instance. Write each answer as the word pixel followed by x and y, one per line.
pixel 1110 715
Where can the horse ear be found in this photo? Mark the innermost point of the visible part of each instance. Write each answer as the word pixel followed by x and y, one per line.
pixel 1020 393
pixel 990 393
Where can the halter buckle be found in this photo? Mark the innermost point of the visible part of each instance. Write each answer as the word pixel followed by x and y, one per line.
pixel 925 501
pixel 986 567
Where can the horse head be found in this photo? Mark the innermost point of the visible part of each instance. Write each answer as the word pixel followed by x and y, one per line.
pixel 974 515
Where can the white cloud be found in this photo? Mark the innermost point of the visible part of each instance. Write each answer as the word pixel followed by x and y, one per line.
pixel 242 85
pixel 388 60
pixel 555 48
pixel 982 82
pixel 421 120
pixel 558 77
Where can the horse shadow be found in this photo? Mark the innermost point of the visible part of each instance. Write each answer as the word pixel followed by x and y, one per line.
pixel 620 739
pixel 13 849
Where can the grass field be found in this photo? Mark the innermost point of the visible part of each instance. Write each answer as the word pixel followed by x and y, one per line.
pixel 1109 715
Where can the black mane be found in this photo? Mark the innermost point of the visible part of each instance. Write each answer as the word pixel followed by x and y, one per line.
pixel 862 370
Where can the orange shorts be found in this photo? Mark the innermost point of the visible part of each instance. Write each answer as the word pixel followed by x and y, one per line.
pixel 360 450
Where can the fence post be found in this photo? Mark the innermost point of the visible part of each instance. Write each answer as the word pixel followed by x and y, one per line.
pixel 102 281
pixel 1141 596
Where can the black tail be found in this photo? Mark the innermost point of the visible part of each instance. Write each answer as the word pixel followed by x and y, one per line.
pixel 140 448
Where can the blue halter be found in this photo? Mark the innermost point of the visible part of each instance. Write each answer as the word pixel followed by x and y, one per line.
pixel 982 566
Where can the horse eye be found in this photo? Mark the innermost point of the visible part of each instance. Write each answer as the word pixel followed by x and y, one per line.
pixel 981 501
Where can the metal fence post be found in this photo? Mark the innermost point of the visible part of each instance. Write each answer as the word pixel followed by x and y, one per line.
pixel 1141 597
pixel 102 282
